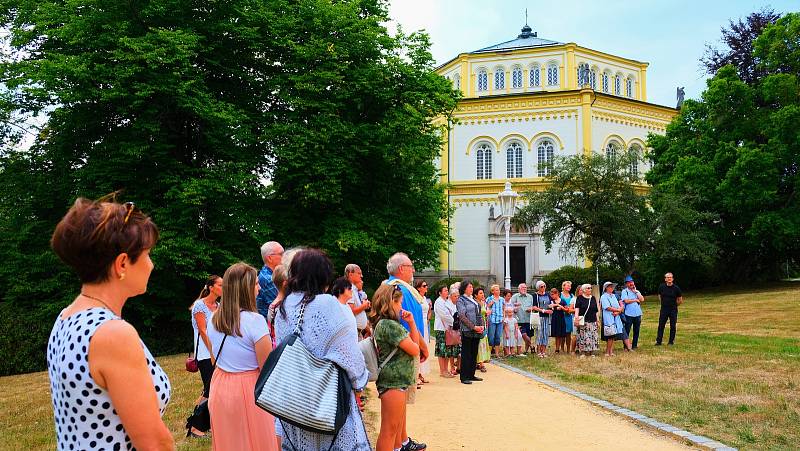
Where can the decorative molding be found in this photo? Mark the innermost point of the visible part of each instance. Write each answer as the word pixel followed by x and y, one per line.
pixel 482 138
pixel 546 134
pixel 615 137
pixel 630 121
pixel 492 187
pixel 517 117
pixel 646 110
pixel 554 100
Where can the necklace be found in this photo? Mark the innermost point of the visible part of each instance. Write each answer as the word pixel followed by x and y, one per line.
pixel 98 300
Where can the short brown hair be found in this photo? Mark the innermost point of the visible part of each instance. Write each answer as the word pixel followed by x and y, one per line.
pixel 93 233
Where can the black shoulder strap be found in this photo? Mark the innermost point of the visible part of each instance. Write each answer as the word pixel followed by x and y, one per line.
pixel 216 359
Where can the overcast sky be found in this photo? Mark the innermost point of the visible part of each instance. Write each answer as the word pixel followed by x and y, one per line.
pixel 670 35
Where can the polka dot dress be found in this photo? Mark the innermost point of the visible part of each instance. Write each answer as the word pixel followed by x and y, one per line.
pixel 85 418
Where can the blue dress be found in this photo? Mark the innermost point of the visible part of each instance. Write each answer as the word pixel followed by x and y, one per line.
pixel 568 317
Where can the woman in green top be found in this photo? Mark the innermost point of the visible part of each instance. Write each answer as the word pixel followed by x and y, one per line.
pixel 398 374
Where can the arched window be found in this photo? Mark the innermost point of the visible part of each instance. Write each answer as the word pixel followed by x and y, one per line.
pixel 629 87
pixel 484 160
pixel 606 76
pixel 612 149
pixel 552 74
pixel 534 76
pixel 499 78
pixel 544 151
pixel 457 81
pixel 583 79
pixel 617 85
pixel 593 79
pixel 483 80
pixel 636 156
pixel 516 77
pixel 514 160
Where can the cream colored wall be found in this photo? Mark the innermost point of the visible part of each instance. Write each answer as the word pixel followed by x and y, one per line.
pixel 465 138
pixel 470 230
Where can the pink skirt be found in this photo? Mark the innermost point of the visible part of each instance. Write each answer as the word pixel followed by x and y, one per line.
pixel 236 422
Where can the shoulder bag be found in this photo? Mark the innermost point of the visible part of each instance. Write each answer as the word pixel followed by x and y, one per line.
pixel 201 418
pixel 303 390
pixel 580 321
pixel 369 348
pixel 191 361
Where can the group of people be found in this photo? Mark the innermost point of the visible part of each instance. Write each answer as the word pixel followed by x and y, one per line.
pixel 511 325
pixel 112 394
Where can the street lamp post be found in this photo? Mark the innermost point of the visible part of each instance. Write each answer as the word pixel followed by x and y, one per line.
pixel 508 201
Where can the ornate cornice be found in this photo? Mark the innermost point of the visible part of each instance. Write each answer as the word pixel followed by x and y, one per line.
pixel 492 187
pixel 655 125
pixel 526 116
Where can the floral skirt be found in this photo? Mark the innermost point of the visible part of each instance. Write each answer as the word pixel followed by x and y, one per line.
pixel 442 350
pixel 587 338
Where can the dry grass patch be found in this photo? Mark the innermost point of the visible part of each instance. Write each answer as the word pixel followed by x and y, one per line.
pixel 26 413
pixel 733 375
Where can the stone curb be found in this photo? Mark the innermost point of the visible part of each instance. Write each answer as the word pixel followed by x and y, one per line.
pixel 677 433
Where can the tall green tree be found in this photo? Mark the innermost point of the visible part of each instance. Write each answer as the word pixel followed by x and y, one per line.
pixel 591 209
pixel 230 123
pixel 736 153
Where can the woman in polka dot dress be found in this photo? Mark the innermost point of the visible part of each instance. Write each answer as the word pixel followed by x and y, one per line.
pixel 107 390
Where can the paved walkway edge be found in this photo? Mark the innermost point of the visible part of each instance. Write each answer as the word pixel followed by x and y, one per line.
pixel 677 433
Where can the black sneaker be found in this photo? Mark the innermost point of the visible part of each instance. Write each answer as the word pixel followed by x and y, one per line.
pixel 478 379
pixel 413 446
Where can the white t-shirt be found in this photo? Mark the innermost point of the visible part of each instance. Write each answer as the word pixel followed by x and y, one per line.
pixel 358 296
pixel 239 353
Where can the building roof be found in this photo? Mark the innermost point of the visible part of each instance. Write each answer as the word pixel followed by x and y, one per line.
pixel 527 39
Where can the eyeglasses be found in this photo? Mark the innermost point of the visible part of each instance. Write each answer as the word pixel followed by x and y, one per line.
pixel 424 285
pixel 408 264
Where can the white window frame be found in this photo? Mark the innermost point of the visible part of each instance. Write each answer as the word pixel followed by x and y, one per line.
pixel 514 160
pixel 516 76
pixel 483 157
pixel 545 153
pixel 552 74
pixel 483 80
pixel 535 76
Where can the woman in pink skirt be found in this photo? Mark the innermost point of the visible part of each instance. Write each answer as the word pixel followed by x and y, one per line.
pixel 240 335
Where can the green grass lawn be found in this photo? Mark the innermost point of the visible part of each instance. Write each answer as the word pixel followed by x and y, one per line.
pixel 733 375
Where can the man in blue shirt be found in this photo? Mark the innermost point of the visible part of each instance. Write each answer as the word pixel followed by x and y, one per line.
pixel 401 273
pixel 632 299
pixel 271 253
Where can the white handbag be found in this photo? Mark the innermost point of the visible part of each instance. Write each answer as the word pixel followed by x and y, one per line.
pixel 297 387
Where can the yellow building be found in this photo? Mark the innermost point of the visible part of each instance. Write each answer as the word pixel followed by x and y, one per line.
pixel 525 101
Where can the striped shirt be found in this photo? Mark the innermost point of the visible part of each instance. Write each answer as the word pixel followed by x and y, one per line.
pixel 496 317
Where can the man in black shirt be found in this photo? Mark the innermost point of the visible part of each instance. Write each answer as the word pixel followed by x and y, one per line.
pixel 671 297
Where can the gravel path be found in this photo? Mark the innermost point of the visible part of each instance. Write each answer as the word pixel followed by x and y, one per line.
pixel 508 411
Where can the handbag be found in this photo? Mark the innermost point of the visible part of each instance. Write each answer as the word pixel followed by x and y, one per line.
pixel 303 390
pixel 370 351
pixel 200 418
pixel 609 329
pixel 191 361
pixel 452 337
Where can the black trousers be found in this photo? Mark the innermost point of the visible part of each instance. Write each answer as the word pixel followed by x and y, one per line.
pixel 206 371
pixel 469 357
pixel 636 323
pixel 670 313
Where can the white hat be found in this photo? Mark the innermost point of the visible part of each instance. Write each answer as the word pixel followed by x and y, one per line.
pixel 606 284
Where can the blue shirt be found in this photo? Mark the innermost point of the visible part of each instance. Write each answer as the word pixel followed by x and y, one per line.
pixel 410 304
pixel 632 309
pixel 497 309
pixel 268 291
pixel 609 300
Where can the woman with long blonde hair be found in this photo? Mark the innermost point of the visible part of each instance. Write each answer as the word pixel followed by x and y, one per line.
pixel 398 373
pixel 240 339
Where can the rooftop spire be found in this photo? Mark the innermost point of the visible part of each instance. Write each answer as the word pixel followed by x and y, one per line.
pixel 527 31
